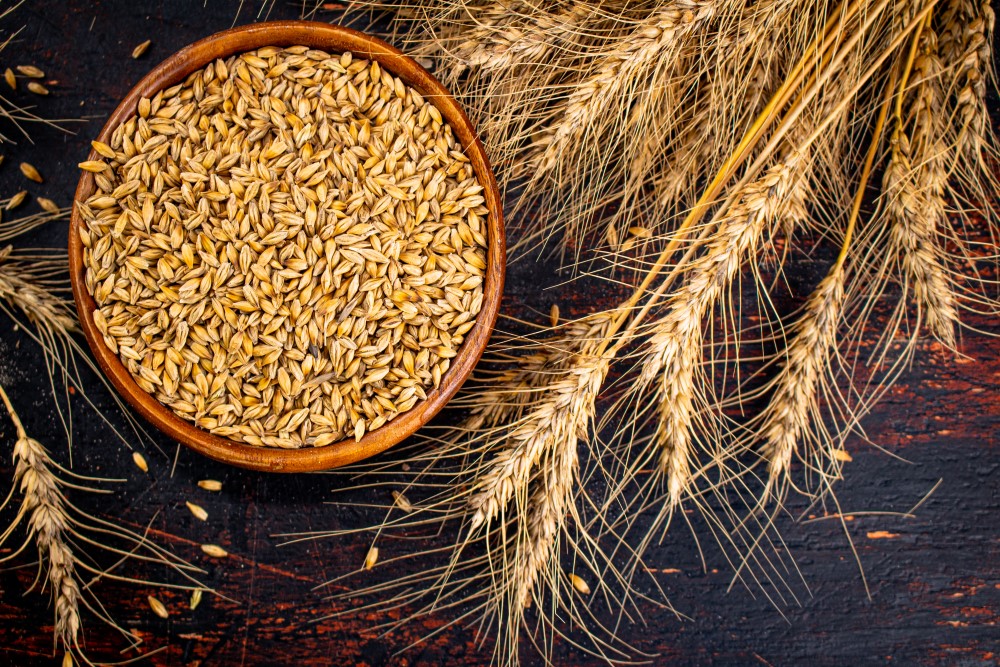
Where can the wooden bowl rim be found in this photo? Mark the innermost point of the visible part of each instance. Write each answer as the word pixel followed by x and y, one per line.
pixel 335 39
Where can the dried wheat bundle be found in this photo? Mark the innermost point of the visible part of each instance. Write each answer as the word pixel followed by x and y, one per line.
pixel 516 511
pixel 686 148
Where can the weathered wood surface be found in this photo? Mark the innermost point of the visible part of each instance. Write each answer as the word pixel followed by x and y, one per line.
pixel 934 579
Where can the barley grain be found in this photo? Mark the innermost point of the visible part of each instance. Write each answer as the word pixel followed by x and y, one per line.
pixel 401 501
pixel 158 607
pixel 31 71
pixel 210 485
pixel 579 583
pixel 214 550
pixel 48 205
pixel 138 51
pixel 9 77
pixel 37 88
pixel 30 172
pixel 17 200
pixel 197 510
pixel 371 558
pixel 196 595
pixel 140 461
pixel 103 149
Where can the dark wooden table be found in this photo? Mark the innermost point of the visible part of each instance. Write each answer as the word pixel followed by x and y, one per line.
pixel 934 579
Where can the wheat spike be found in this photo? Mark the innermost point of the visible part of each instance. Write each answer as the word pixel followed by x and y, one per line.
pixel 650 43
pixel 966 45
pixel 912 223
pixel 562 416
pixel 546 514
pixel 812 339
pixel 56 529
pixel 22 284
pixel 43 506
pixel 673 351
pixel 520 35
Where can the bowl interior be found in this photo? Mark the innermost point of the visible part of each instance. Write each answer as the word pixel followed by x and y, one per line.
pixel 334 39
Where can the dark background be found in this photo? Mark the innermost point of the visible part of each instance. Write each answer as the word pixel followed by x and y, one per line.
pixel 934 578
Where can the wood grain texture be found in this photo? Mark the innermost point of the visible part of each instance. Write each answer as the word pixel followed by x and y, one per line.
pixel 934 579
pixel 335 39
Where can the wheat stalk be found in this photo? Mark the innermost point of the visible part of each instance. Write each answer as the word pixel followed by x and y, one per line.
pixel 573 377
pixel 59 532
pixel 517 35
pixel 22 284
pixel 794 402
pixel 912 240
pixel 673 350
pixel 44 508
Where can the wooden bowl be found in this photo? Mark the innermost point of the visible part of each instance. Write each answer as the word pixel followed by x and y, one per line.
pixel 334 39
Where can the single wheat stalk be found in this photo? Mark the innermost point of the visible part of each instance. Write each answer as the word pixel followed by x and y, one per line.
pixel 913 185
pixel 912 240
pixel 812 340
pixel 794 402
pixel 966 46
pixel 57 530
pixel 673 351
pixel 44 507
pixel 506 44
pixel 547 509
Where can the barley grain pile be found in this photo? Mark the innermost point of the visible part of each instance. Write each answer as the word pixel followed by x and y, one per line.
pixel 287 248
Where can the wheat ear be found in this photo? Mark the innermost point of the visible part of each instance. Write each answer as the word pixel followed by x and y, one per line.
pixel 509 44
pixel 673 351
pixel 813 337
pixel 812 340
pixel 966 45
pixel 652 42
pixel 23 287
pixel 912 241
pixel 44 507
pixel 560 418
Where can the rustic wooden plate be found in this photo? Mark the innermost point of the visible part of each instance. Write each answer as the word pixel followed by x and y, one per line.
pixel 335 39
